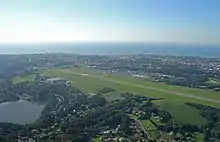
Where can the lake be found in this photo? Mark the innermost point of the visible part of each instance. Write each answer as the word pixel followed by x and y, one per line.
pixel 20 112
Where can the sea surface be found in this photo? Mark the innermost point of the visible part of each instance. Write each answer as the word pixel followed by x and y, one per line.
pixel 20 112
pixel 114 49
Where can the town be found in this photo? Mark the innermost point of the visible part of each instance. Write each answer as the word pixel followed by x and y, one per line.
pixel 85 100
pixel 185 71
pixel 73 115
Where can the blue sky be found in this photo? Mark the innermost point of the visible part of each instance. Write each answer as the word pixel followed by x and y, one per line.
pixel 177 21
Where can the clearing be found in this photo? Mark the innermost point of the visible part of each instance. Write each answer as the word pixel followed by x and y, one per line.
pixel 19 79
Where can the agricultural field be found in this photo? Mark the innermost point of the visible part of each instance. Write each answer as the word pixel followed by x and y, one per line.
pixel 182 110
pixel 174 97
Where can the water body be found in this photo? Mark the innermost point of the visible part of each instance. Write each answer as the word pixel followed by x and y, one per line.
pixel 20 112
pixel 114 48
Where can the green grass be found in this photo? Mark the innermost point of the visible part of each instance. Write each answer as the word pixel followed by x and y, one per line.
pixel 151 128
pixel 186 114
pixel 132 116
pixel 97 140
pixel 199 137
pixel 157 121
pixel 123 83
pixel 148 125
pixel 112 95
pixel 213 81
pixel 126 78
pixel 20 79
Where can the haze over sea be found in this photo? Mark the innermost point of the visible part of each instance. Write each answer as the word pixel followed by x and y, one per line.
pixel 114 49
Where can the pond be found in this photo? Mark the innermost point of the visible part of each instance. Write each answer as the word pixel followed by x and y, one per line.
pixel 20 112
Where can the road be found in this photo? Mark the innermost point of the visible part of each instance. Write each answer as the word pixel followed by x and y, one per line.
pixel 144 87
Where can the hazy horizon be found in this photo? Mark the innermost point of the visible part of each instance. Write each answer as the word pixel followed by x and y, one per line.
pixel 114 49
pixel 145 21
pixel 108 42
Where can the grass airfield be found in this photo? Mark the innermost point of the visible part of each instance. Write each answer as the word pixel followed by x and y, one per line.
pixel 174 97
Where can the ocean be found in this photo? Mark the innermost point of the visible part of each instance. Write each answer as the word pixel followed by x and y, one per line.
pixel 114 49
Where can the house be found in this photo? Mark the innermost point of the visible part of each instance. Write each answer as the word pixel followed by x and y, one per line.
pixel 57 80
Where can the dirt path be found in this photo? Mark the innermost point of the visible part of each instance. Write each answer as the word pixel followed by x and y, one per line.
pixel 146 87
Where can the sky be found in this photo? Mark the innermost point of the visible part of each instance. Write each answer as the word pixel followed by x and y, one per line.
pixel 157 21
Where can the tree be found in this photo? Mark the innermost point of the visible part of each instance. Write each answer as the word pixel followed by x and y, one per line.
pixel 81 139
pixel 125 125
pixel 207 134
